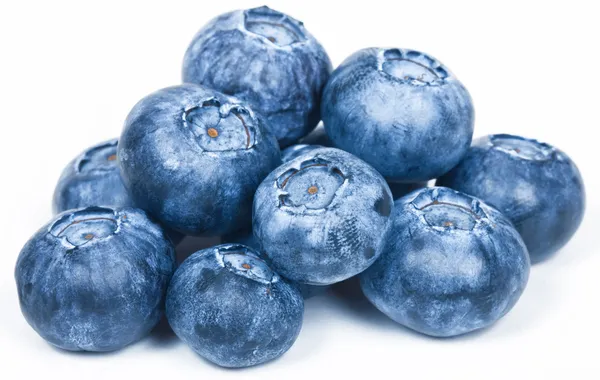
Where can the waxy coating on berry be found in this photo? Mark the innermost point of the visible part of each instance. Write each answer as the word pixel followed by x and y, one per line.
pixel 449 264
pixel 92 179
pixel 93 279
pixel 267 59
pixel 198 171
pixel 537 186
pixel 401 111
pixel 231 308
pixel 319 216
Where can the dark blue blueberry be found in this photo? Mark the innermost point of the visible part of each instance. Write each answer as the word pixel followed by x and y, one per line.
pixel 320 217
pixel 401 111
pixel 194 157
pixel 94 279
pixel 535 185
pixel 231 308
pixel 449 264
pixel 317 137
pixel 267 59
pixel 92 179
pixel 400 189
pixel 247 238
pixel 297 150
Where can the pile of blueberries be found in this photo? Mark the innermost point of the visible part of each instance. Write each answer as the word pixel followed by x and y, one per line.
pixel 349 198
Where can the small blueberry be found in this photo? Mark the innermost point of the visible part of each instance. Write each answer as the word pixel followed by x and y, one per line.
pixel 231 308
pixel 92 179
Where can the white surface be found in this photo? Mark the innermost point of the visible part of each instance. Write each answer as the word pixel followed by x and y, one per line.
pixel 71 72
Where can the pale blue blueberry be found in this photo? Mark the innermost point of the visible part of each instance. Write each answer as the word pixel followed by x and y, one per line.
pixel 269 60
pixel 320 217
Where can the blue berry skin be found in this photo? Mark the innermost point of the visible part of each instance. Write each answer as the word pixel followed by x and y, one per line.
pixel 320 217
pixel 537 186
pixel 449 264
pixel 231 308
pixel 92 179
pixel 248 239
pixel 297 150
pixel 193 158
pixel 400 189
pixel 401 111
pixel 269 60
pixel 94 279
pixel 317 137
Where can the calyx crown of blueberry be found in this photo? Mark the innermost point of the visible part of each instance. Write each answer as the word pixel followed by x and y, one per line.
pixel 311 186
pixel 102 157
pixel 276 27
pixel 440 207
pixel 242 261
pixel 218 127
pixel 527 149
pixel 83 226
pixel 412 67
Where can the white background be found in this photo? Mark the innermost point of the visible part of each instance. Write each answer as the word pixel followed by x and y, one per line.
pixel 70 72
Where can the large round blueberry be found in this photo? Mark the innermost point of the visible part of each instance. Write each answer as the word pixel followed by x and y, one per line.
pixel 231 308
pixel 401 111
pixel 449 264
pixel 320 217
pixel 94 279
pixel 194 157
pixel 535 185
pixel 92 179
pixel 247 238
pixel 267 59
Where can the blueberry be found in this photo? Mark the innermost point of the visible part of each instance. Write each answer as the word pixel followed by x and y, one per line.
pixel 400 189
pixel 317 137
pixel 92 179
pixel 320 217
pixel 94 279
pixel 194 157
pixel 231 308
pixel 449 264
pixel 297 150
pixel 267 59
pixel 401 111
pixel 247 238
pixel 535 185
